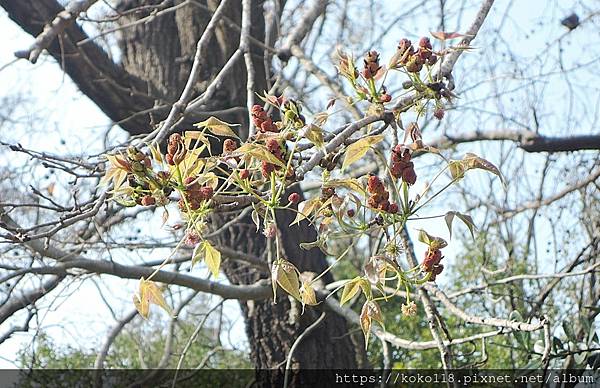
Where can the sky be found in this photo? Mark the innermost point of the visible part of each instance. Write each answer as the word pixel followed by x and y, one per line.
pixel 81 317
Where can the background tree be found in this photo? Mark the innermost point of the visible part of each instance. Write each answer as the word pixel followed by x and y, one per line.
pixel 180 62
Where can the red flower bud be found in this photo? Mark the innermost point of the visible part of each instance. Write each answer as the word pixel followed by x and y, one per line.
pixel 424 42
pixel 206 192
pixel 385 98
pixel 267 169
pixel 244 174
pixel 294 198
pixel 439 113
pixel 409 176
pixel 229 145
pixel 148 200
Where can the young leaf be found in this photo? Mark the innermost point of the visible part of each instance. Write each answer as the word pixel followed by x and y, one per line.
pixel 466 219
pixel 306 208
pixel 196 254
pixel 358 149
pixel 142 306
pixel 441 35
pixel 217 127
pixel 210 179
pixel 314 134
pixel 307 294
pixel 155 152
pixel 259 152
pixel 212 258
pixel 188 136
pixel 365 322
pixel 350 184
pixel 370 311
pixel 432 241
pixel 321 118
pixel 472 161
pixel 457 169
pixel 149 293
pixel 350 290
pixel 287 278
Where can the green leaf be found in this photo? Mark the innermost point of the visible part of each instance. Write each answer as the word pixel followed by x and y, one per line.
pixel 217 127
pixel 358 149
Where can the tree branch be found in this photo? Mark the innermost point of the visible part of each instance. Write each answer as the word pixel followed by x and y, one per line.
pixel 527 140
pixel 115 91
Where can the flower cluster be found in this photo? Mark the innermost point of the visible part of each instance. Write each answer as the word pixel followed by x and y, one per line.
pixel 261 119
pixel 176 149
pixel 431 263
pixel 147 189
pixel 371 65
pixel 401 166
pixel 379 196
pixel 273 147
pixel 413 59
pixel 194 194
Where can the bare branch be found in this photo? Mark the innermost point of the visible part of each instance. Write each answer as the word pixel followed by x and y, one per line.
pixel 53 29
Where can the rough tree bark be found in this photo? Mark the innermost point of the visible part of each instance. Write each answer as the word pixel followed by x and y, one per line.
pixel 156 59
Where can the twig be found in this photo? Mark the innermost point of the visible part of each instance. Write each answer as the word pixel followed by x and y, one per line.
pixel 301 337
pixel 245 47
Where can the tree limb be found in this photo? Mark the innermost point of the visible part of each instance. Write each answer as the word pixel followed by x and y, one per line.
pixel 527 140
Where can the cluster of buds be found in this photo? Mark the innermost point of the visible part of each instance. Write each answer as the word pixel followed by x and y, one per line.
pixel 379 196
pixel 413 59
pixel 261 119
pixel 328 193
pixel 229 145
pixel 371 65
pixel 194 194
pixel 137 161
pixel 176 150
pixel 401 166
pixel 148 189
pixel 273 147
pixel 431 263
